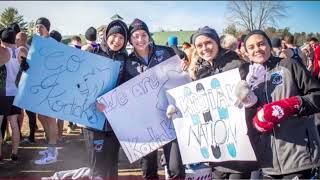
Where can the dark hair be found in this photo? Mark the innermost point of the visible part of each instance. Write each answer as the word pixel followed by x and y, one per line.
pixel 313 39
pixel 259 32
pixel 289 39
pixel 186 44
pixel 76 38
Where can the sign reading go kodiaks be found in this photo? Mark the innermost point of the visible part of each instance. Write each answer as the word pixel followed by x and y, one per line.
pixel 63 82
pixel 212 128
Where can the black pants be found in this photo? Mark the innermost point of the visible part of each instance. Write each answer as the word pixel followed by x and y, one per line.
pixel 306 174
pixel 32 123
pixel 176 170
pixel 224 175
pixel 4 126
pixel 103 149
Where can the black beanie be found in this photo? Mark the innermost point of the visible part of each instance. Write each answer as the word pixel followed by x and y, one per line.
pixel 260 32
pixel 115 29
pixel 206 31
pixel 15 27
pixel 116 26
pixel 55 35
pixel 8 35
pixel 137 24
pixel 276 42
pixel 45 22
pixel 91 34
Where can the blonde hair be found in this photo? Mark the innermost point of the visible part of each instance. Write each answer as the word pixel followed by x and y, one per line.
pixel 228 41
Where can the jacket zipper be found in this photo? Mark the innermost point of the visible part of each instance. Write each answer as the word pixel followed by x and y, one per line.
pixel 273 130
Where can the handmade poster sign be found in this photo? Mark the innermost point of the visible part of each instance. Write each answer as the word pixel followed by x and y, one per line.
pixel 208 125
pixel 63 82
pixel 136 109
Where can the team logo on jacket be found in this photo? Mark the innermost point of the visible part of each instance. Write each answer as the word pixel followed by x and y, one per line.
pixel 159 55
pixel 276 78
pixel 98 145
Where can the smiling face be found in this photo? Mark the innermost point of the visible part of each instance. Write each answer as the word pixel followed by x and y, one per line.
pixel 140 40
pixel 115 41
pixel 258 49
pixel 206 47
pixel 41 30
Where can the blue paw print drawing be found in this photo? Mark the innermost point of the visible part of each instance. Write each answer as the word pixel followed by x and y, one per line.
pixel 223 112
pixel 195 118
pixel 232 149
pixel 204 152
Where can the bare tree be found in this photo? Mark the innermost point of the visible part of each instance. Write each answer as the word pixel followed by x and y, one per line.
pixel 252 15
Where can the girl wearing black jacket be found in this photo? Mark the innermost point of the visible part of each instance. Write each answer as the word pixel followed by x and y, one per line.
pixel 144 56
pixel 288 146
pixel 213 59
pixel 103 145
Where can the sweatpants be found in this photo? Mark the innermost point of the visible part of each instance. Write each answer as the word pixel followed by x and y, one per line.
pixel 103 151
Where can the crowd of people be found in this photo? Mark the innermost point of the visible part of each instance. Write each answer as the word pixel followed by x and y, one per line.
pixel 280 91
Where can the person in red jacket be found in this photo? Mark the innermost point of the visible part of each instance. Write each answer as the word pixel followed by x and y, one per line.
pixel 314 43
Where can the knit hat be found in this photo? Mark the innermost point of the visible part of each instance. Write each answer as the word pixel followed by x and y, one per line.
pixel 137 24
pixel 116 26
pixel 206 31
pixel 45 22
pixel 8 35
pixel 116 29
pixel 55 35
pixel 172 41
pixel 91 34
pixel 276 42
pixel 260 32
pixel 15 27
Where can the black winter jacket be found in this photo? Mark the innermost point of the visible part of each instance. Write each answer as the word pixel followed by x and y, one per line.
pixel 136 65
pixel 294 143
pixel 227 60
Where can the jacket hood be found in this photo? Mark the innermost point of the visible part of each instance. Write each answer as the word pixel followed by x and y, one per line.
pixel 104 45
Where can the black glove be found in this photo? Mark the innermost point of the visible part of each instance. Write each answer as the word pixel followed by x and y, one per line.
pixel 24 66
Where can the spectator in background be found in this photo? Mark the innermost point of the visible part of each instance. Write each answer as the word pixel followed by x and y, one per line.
pixel 91 37
pixel 76 42
pixel 100 34
pixel 58 37
pixel 49 124
pixel 8 89
pixel 22 40
pixel 293 51
pixel 314 43
pixel 4 58
pixel 276 47
pixel 173 43
pixel 309 53
pixel 241 49
pixel 283 44
pixel 228 41
pixel 185 45
pixel 15 27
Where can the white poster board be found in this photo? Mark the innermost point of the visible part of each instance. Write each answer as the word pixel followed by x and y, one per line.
pixel 136 110
pixel 212 129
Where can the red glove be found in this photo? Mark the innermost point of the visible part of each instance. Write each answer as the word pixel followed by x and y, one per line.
pixel 275 112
